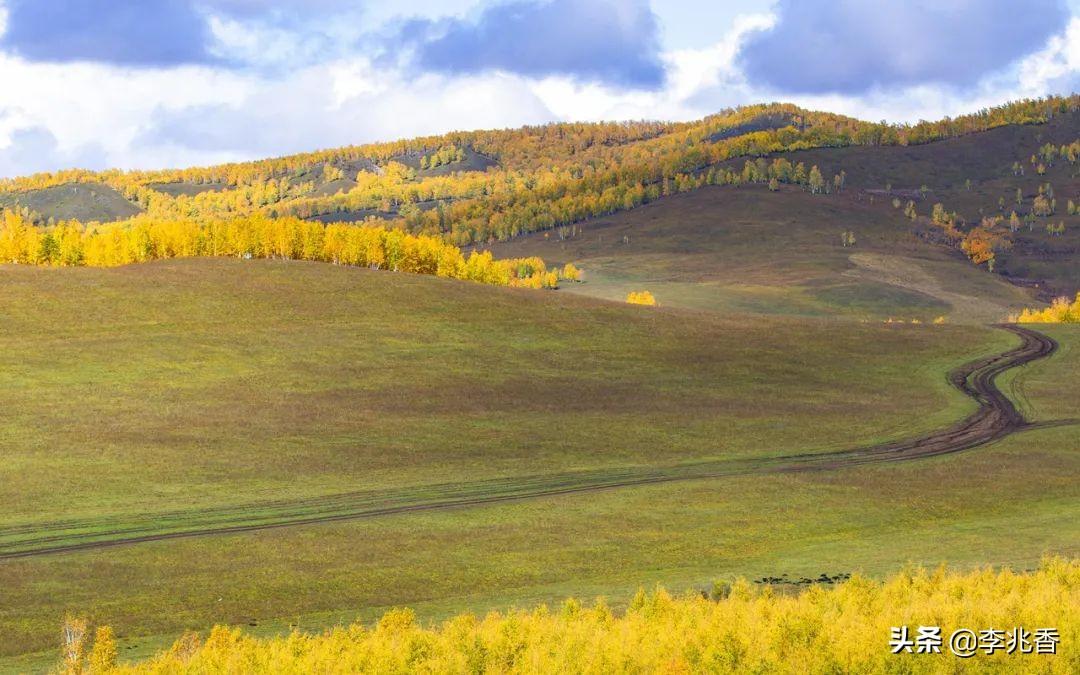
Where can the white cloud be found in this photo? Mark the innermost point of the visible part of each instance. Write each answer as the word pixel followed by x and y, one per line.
pixel 84 105
pixel 693 25
pixel 690 73
pixel 258 43
pixel 355 79
pixel 340 104
pixel 53 116
pixel 693 70
pixel 378 14
pixel 1055 68
pixel 35 149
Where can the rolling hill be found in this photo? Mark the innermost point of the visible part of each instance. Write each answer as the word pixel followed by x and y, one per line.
pixel 480 188
pixel 211 390
pixel 85 202
pixel 751 250
pixel 260 440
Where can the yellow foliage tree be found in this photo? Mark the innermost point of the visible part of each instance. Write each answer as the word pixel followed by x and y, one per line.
pixel 289 238
pixel 1060 311
pixel 640 298
pixel 856 626
pixel 103 654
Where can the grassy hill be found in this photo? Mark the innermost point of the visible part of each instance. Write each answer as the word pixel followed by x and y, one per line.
pixel 746 249
pixel 343 440
pixel 174 389
pixel 576 156
pixel 85 202
pixel 945 168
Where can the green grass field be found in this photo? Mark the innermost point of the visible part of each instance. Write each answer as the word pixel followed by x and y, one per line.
pixel 189 395
pixel 134 394
pixel 187 382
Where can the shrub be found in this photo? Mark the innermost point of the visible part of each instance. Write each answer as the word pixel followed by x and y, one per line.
pixel 640 298
pixel 1060 311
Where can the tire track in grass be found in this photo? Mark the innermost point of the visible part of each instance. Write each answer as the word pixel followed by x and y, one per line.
pixel 995 418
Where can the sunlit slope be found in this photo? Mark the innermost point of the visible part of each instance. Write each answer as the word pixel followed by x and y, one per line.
pixel 88 202
pixel 191 383
pixel 748 249
pixel 978 176
pixel 155 390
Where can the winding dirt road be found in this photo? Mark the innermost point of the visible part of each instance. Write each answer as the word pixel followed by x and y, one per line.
pixel 995 418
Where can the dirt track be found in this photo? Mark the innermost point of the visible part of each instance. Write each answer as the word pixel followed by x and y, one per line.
pixel 996 417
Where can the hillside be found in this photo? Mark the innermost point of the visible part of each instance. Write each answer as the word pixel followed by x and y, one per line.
pixel 990 174
pixel 996 190
pixel 749 247
pixel 595 156
pixel 746 249
pixel 299 410
pixel 218 392
pixel 84 202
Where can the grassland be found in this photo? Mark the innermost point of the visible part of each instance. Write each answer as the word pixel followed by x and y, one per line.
pixel 207 383
pixel 746 249
pixel 198 379
pixel 869 520
pixel 159 397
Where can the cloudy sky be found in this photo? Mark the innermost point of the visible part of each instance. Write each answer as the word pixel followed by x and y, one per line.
pixel 156 83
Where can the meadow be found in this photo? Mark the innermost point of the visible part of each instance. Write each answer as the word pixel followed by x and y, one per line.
pixel 281 444
pixel 170 393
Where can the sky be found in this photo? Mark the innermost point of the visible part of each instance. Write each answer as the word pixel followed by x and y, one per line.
pixel 142 84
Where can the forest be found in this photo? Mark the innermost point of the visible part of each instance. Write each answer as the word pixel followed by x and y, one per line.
pixel 546 176
pixel 549 177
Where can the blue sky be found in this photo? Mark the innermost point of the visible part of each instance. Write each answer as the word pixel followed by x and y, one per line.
pixel 155 83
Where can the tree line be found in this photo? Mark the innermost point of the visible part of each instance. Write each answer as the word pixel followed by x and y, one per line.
pixel 547 176
pixel 1059 311
pixel 1021 621
pixel 257 236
